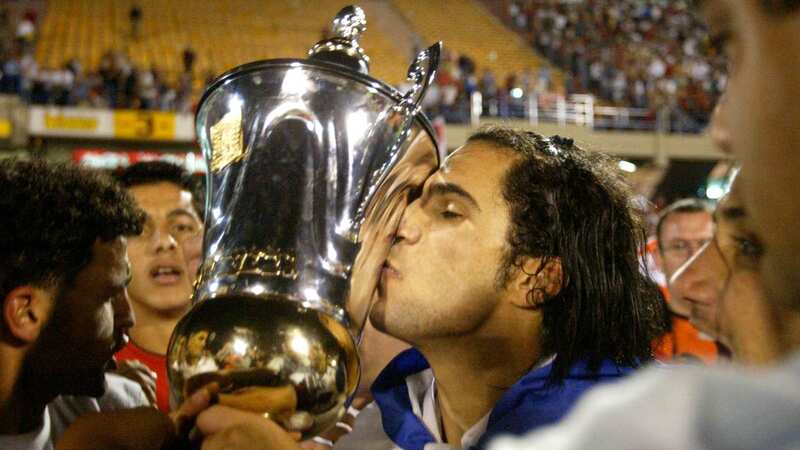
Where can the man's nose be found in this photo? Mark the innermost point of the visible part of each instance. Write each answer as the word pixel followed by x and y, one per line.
pixel 409 229
pixel 164 241
pixel 699 277
pixel 123 312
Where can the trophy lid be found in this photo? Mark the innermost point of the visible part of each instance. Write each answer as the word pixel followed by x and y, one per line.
pixel 340 54
pixel 343 48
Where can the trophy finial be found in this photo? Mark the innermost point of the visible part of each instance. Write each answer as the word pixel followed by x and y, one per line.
pixel 343 48
pixel 349 23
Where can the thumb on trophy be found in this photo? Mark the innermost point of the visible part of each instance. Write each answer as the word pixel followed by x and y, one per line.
pixel 226 428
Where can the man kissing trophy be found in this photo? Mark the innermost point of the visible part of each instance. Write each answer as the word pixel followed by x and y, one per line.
pixel 310 161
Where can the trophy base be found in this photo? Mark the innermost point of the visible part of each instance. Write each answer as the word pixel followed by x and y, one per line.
pixel 270 355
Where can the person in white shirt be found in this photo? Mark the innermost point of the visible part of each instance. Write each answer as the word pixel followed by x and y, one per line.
pixel 63 278
pixel 121 394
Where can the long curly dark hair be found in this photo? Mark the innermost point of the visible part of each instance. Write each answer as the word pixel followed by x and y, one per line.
pixel 53 214
pixel 573 205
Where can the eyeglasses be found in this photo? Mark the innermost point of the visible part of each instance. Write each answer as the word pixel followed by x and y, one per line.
pixel 684 248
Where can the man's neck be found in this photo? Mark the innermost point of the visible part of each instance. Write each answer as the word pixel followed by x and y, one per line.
pixel 472 374
pixel 153 330
pixel 21 407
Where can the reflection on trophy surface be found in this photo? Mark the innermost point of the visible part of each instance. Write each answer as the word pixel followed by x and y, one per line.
pixel 310 164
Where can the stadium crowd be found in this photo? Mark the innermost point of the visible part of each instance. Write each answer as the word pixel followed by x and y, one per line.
pixel 119 83
pixel 116 83
pixel 650 55
pixel 645 54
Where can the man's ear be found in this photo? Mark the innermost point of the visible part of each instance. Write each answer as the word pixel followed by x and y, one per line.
pixel 537 280
pixel 26 309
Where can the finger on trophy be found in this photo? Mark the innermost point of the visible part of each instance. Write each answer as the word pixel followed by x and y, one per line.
pixel 183 418
pixel 277 403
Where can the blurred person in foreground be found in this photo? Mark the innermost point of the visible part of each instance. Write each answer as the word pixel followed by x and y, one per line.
pixel 683 227
pixel 63 278
pixel 502 286
pixel 164 262
pixel 723 278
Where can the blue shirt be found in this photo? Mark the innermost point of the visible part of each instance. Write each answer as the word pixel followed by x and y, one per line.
pixel 528 404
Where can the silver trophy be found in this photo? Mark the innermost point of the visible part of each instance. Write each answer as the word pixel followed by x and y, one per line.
pixel 305 157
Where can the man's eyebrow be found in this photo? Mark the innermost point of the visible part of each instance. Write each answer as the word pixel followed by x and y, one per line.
pixel 453 189
pixel 181 212
pixel 730 213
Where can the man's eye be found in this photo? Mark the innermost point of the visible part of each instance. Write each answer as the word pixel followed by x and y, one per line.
pixel 719 40
pixel 724 44
pixel 447 214
pixel 181 230
pixel 749 247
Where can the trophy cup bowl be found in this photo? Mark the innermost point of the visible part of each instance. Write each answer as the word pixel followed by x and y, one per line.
pixel 302 155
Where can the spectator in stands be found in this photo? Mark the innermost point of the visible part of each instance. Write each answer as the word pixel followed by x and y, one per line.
pixel 683 228
pixel 6 34
pixel 189 57
pixel 135 19
pixel 161 285
pixel 63 277
pixel 11 74
pixel 609 46
pixel 26 31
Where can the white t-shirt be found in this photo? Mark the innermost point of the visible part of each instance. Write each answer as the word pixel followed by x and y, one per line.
pixel 683 408
pixel 39 439
pixel 121 393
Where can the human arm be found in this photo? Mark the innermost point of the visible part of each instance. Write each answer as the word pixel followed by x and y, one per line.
pixel 143 428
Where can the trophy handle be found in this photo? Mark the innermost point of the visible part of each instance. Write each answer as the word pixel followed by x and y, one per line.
pixel 421 73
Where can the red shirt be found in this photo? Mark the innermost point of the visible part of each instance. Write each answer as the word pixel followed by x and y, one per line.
pixel 157 363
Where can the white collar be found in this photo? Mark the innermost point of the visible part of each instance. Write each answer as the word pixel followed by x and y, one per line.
pixel 422 394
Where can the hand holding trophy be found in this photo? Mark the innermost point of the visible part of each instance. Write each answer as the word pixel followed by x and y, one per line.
pixel 309 165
